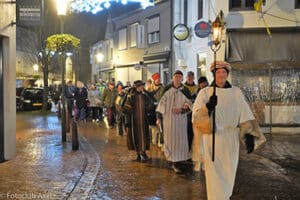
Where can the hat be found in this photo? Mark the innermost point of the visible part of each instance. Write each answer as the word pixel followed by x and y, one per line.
pixel 119 83
pixel 190 73
pixel 155 76
pixel 221 64
pixel 202 79
pixel 138 83
pixel 178 72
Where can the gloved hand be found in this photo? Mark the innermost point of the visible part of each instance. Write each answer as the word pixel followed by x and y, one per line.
pixel 249 140
pixel 211 104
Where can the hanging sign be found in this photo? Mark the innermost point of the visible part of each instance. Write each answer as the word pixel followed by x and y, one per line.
pixel 30 12
pixel 202 29
pixel 181 32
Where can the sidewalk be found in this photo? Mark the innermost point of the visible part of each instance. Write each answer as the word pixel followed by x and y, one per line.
pixel 44 168
pixel 102 168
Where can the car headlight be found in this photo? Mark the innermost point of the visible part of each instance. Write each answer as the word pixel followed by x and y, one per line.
pixel 27 101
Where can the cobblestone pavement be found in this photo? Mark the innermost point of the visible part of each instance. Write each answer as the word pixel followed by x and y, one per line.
pixel 103 168
pixel 44 168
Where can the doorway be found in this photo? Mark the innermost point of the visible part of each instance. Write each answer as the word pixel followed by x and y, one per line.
pixel 1 104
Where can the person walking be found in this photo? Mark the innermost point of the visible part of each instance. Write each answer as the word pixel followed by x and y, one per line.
pixel 172 111
pixel 120 118
pixel 109 98
pixel 231 111
pixel 81 97
pixel 190 84
pixel 156 92
pixel 202 83
pixel 69 94
pixel 138 104
pixel 197 148
pixel 94 102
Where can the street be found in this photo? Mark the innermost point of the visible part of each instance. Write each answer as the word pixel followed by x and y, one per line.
pixel 103 168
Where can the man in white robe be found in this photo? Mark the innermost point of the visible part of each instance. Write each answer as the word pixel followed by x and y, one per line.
pixel 231 110
pixel 174 106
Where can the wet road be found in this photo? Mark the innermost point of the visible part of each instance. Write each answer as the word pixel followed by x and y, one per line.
pixel 103 168
pixel 272 172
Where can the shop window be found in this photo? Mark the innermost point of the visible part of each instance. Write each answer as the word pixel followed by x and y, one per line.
pixel 200 9
pixel 201 64
pixel 185 11
pixel 241 5
pixel 297 3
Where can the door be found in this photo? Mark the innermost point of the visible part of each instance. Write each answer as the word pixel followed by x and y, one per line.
pixel 1 104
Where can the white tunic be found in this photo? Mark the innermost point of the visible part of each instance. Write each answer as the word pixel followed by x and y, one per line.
pixel 231 110
pixel 174 125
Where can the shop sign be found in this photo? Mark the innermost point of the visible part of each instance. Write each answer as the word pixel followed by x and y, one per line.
pixel 202 29
pixel 181 32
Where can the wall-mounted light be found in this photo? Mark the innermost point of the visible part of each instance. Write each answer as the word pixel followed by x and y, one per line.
pixel 99 57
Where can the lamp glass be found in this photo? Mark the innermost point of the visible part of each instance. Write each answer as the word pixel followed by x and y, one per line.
pixel 35 67
pixel 99 57
pixel 61 7
pixel 216 31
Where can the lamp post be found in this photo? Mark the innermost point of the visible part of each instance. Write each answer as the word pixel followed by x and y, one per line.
pixel 217 28
pixel 61 6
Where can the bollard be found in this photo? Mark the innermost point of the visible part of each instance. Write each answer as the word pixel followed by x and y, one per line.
pixel 75 143
pixel 67 122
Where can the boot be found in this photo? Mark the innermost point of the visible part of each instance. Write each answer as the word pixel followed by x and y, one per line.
pixel 176 169
pixel 144 157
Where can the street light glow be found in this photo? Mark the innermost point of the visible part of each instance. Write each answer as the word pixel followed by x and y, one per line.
pixel 61 7
pixel 95 6
pixel 99 57
pixel 35 67
pixel 216 31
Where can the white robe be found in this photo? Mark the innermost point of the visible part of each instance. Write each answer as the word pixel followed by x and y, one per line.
pixel 174 125
pixel 231 110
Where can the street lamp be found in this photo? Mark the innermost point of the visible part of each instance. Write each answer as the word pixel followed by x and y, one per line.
pixel 217 27
pixel 99 57
pixel 35 67
pixel 61 8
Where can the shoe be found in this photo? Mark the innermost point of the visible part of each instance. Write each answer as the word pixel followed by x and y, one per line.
pixel 144 157
pixel 138 158
pixel 176 169
pixel 197 166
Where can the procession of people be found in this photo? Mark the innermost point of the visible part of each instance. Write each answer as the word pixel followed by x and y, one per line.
pixel 181 119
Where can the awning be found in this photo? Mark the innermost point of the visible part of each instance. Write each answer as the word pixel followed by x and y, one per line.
pixel 156 57
pixel 256 46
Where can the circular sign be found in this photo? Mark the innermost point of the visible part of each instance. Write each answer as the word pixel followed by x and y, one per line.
pixel 202 29
pixel 181 32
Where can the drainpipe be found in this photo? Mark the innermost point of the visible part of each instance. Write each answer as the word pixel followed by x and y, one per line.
pixel 171 61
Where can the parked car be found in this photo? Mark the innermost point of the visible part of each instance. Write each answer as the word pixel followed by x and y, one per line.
pixel 31 99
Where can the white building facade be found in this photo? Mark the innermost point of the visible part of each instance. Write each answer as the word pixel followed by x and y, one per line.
pixel 261 45
pixel 137 45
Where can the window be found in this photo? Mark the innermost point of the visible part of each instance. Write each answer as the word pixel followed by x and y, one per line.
pixel 185 11
pixel 123 39
pixel 200 9
pixel 201 64
pixel 297 3
pixel 153 30
pixel 241 4
pixel 133 35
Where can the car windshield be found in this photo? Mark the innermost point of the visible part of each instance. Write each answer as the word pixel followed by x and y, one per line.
pixel 33 91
